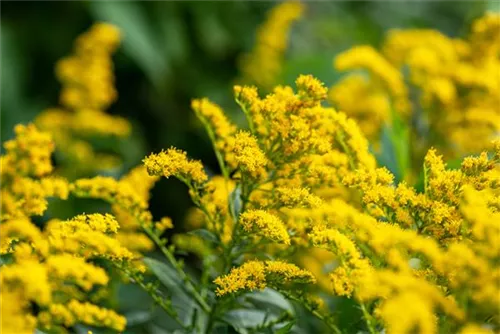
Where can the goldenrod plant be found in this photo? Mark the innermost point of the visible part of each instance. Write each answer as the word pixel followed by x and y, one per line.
pixel 263 65
pixel 440 91
pixel 301 227
pixel 88 89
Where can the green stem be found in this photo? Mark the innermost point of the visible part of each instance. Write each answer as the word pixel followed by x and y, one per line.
pixel 248 116
pixel 326 320
pixel 185 278
pixel 368 318
pixel 164 303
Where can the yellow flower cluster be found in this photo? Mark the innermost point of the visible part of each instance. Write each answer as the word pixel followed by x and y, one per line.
pixel 386 244
pixel 26 174
pixel 439 70
pixel 300 186
pixel 174 162
pixel 78 312
pixel 248 156
pixel 88 90
pixel 263 65
pixel 256 275
pixel 367 58
pixel 264 224
pixel 87 75
pixel 29 154
pixel 371 111
pixel 52 268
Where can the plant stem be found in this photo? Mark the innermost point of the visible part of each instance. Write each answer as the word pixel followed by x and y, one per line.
pixel 170 257
pixel 165 304
pixel 368 318
pixel 326 320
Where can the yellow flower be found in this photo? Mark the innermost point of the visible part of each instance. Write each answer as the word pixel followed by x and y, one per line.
pixel 16 317
pixel 294 197
pixel 115 192
pixel 249 276
pixel 66 267
pixel 366 57
pixel 19 229
pixel 86 236
pixel 87 74
pixel 77 312
pixel 363 101
pixel 265 225
pixel 164 224
pixel 29 279
pixel 87 91
pixel 174 162
pixel 310 88
pixel 256 275
pixel 353 142
pixel 472 328
pixel 211 113
pixel 29 153
pixel 248 156
pixel 263 65
pixel 417 316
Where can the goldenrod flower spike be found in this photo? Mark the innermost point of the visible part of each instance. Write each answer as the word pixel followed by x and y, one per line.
pixel 174 162
pixel 29 153
pixel 263 65
pixel 265 225
pixel 248 156
pixel 310 88
pixel 256 275
pixel 77 312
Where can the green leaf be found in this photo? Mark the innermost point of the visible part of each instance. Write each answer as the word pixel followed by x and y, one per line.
pixel 204 234
pixel 138 317
pixel 270 300
pixel 165 273
pixel 236 199
pixel 6 259
pixel 395 150
pixel 241 320
pixel 286 329
pixel 181 301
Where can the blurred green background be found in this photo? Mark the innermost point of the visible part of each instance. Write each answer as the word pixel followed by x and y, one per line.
pixel 175 51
